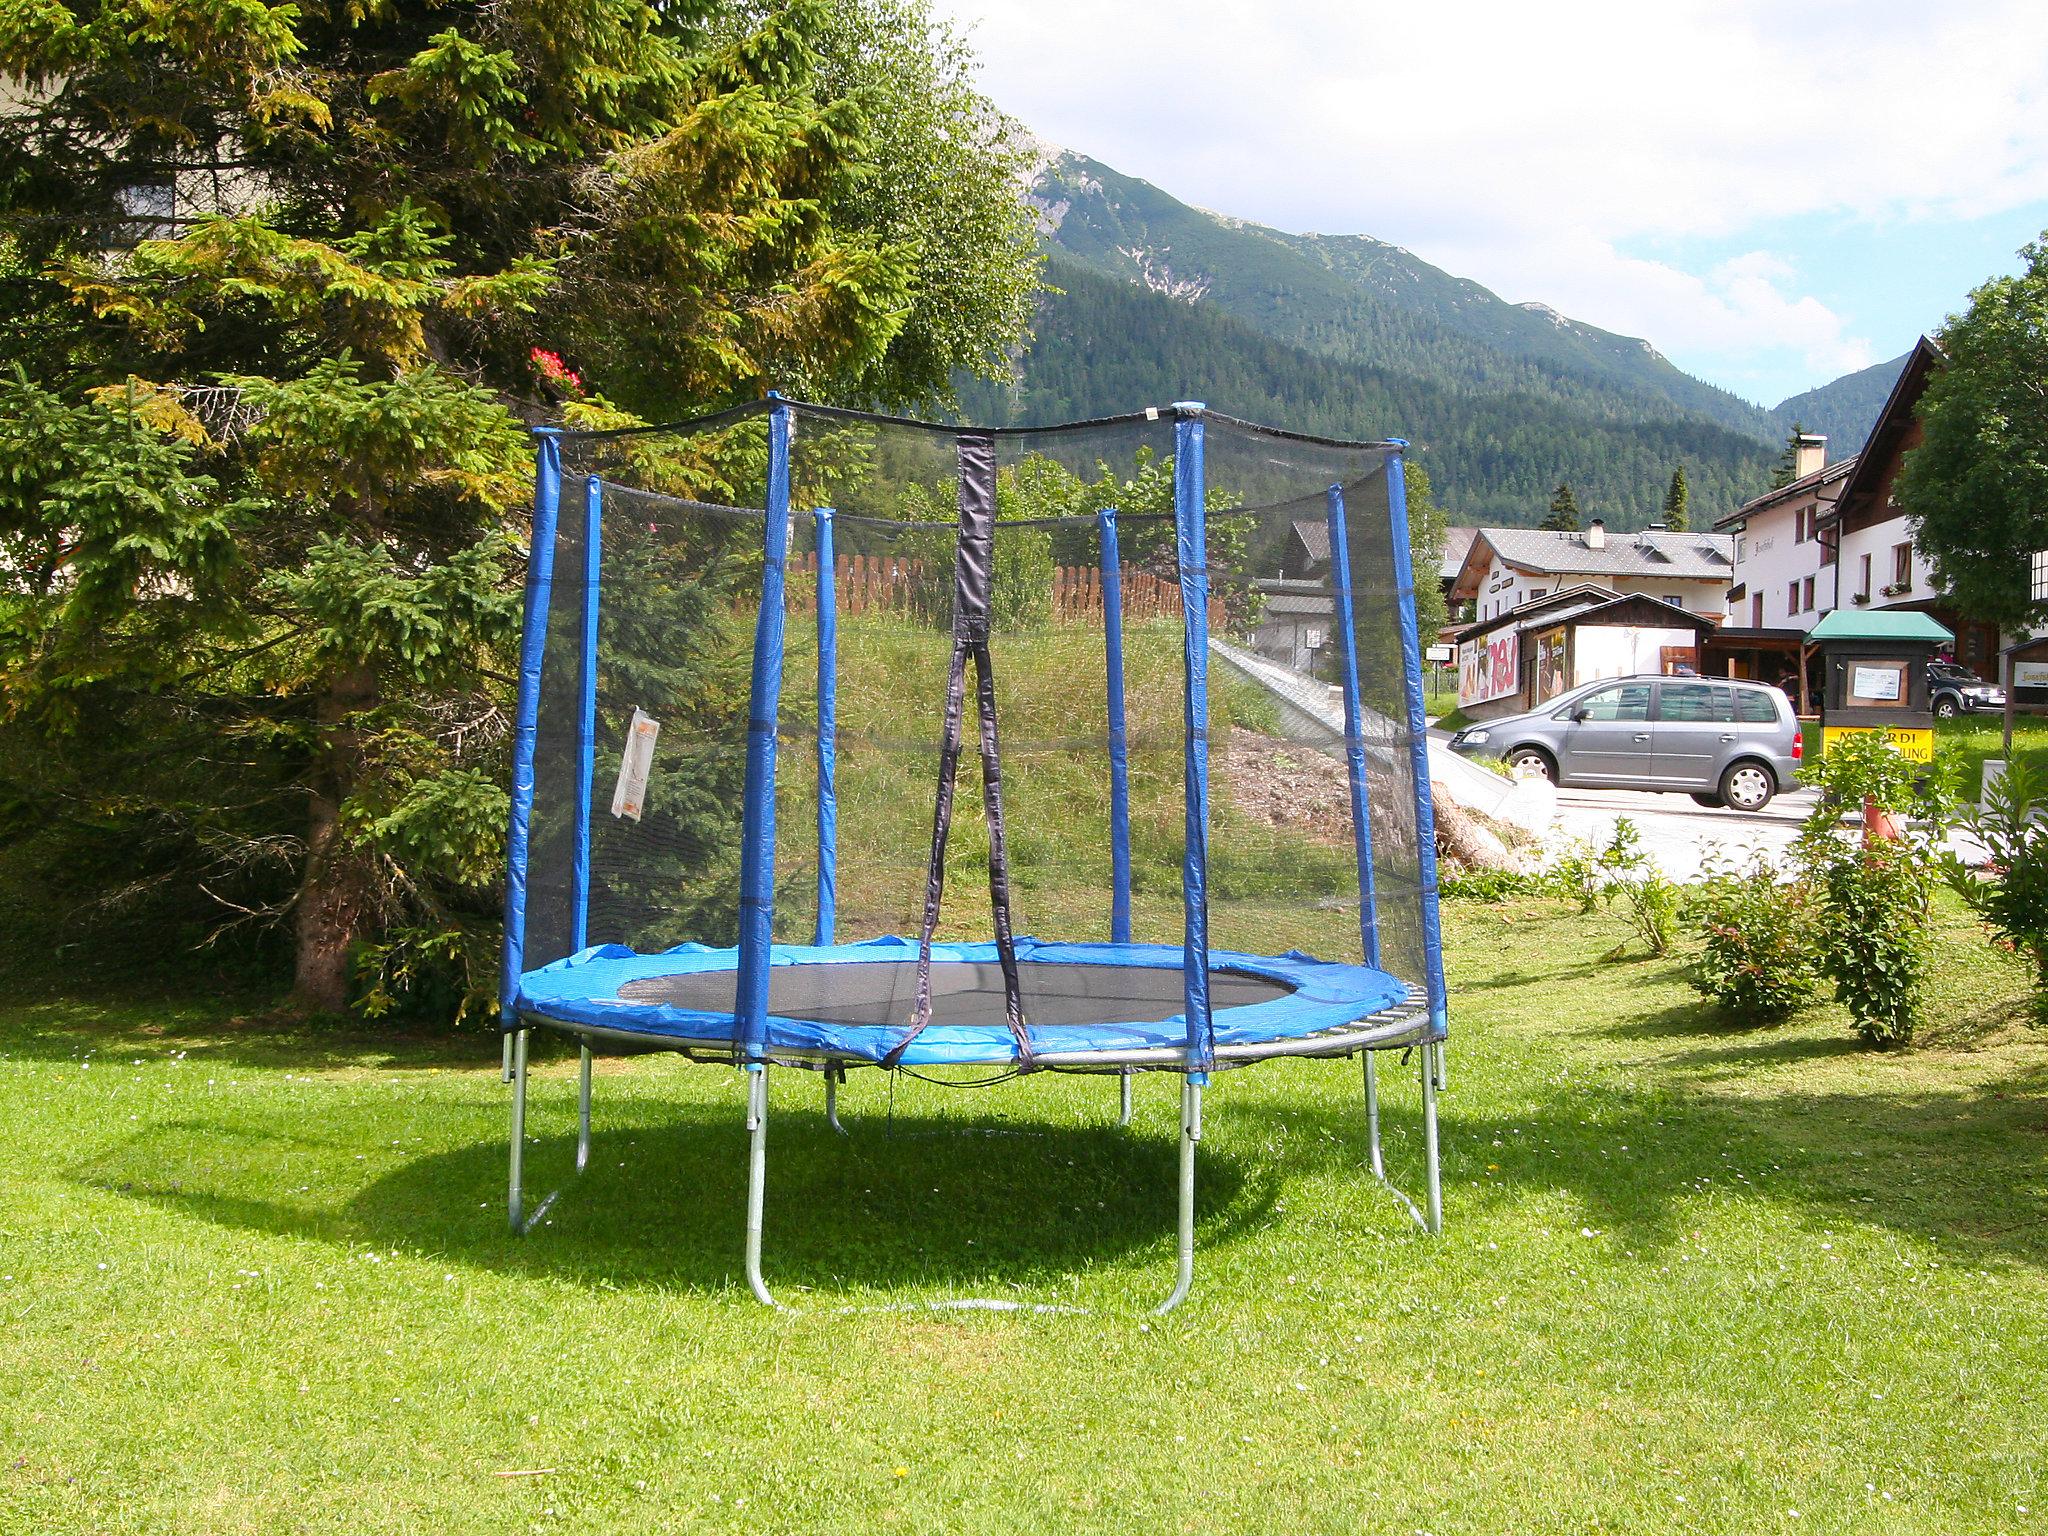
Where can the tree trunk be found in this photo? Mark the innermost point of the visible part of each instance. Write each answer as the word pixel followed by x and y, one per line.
pixel 334 890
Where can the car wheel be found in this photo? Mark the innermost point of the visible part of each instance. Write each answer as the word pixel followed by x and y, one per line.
pixel 1711 801
pixel 1532 763
pixel 1748 786
pixel 1946 707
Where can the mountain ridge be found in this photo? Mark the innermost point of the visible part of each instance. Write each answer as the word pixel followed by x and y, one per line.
pixel 1474 379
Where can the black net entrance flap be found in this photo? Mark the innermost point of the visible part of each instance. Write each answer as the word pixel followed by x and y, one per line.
pixel 799 678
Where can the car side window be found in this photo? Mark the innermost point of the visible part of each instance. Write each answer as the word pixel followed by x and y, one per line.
pixel 1628 701
pixel 1755 708
pixel 1694 703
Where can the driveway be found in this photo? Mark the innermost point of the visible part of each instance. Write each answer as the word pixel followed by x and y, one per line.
pixel 1679 837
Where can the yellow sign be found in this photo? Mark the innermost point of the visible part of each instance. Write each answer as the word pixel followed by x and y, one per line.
pixel 1914 743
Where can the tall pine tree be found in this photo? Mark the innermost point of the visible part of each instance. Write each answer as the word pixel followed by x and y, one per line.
pixel 1678 503
pixel 286 284
pixel 1563 516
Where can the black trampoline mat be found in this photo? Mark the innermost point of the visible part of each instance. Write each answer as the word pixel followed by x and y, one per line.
pixel 882 993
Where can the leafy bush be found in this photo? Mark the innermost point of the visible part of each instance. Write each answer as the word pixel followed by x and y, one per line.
pixel 1757 959
pixel 1872 899
pixel 1591 876
pixel 1873 936
pixel 1653 906
pixel 1493 885
pixel 2012 896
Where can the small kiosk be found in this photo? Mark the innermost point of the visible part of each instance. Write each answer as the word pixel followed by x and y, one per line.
pixel 1874 676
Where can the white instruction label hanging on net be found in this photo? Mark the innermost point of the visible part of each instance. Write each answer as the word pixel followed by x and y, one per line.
pixel 634 764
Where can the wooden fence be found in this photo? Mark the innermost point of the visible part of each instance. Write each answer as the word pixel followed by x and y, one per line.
pixel 878 584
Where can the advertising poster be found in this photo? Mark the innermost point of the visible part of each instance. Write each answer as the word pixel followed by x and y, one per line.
pixel 1552 674
pixel 1489 669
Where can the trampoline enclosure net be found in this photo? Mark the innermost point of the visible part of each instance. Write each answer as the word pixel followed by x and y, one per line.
pixel 653 609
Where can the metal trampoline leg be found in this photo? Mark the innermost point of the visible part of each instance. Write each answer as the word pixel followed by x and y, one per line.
pixel 833 1077
pixel 505 1056
pixel 757 1177
pixel 1443 1065
pixel 1372 1115
pixel 1190 1134
pixel 1123 1094
pixel 583 1110
pixel 515 1045
pixel 1435 1219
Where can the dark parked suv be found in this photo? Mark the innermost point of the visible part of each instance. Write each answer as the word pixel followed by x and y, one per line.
pixel 1954 690
pixel 1721 740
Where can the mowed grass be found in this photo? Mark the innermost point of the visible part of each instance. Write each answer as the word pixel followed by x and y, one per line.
pixel 1976 737
pixel 1693 1277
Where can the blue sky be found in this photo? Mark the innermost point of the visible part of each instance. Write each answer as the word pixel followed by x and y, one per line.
pixel 1772 192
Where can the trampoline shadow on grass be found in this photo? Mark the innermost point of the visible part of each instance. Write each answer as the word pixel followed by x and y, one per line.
pixel 897 1218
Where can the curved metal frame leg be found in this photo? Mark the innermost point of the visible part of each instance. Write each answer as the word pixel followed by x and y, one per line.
pixel 516 1202
pixel 1434 1221
pixel 834 1076
pixel 757 1177
pixel 1190 1135
pixel 1372 1115
pixel 1123 1095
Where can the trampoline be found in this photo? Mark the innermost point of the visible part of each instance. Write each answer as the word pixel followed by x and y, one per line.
pixel 1208 631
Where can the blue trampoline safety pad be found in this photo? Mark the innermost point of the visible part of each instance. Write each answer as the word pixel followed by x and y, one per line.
pixel 853 1002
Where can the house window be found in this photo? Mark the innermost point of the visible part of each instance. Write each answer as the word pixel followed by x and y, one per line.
pixel 1799 525
pixel 1902 566
pixel 1863 579
pixel 1756 610
pixel 1675 599
pixel 1792 599
pixel 1806 593
pixel 1830 543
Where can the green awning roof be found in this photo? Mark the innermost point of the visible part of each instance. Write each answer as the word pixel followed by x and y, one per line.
pixel 1885 624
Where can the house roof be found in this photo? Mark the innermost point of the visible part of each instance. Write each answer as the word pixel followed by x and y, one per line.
pixel 1584 604
pixel 1651 553
pixel 1881 624
pixel 1314 536
pixel 1866 480
pixel 1805 485
pixel 1457 544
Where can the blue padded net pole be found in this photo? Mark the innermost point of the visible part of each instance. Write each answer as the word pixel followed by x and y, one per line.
pixel 757 813
pixel 1418 747
pixel 1354 714
pixel 586 715
pixel 1190 517
pixel 1119 747
pixel 828 728
pixel 540 584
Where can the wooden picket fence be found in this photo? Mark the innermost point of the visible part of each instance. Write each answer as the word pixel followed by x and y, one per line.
pixel 877 584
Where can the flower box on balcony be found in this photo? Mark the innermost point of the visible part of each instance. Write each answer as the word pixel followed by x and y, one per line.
pixel 1895 589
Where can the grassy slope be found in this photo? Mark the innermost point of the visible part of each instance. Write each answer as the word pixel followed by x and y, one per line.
pixel 1693 1278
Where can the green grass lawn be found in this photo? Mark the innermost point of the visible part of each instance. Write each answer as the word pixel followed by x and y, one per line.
pixel 1976 737
pixel 1694 1277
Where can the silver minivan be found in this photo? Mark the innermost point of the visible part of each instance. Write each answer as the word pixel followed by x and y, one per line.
pixel 1724 741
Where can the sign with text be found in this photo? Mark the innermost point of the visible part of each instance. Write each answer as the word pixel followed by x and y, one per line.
pixel 1489 669
pixel 2030 674
pixel 1914 743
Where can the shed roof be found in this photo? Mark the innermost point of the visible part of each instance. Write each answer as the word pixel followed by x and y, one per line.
pixel 1883 624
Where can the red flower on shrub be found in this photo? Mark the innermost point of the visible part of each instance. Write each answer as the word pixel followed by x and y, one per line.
pixel 551 370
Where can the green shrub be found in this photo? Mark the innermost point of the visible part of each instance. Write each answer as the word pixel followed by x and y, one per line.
pixel 1757 959
pixel 1653 906
pixel 2012 894
pixel 1591 876
pixel 1492 885
pixel 1873 933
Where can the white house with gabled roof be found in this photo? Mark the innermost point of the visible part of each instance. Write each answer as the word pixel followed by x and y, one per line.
pixel 1507 567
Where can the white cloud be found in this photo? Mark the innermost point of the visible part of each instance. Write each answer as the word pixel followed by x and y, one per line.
pixel 1532 147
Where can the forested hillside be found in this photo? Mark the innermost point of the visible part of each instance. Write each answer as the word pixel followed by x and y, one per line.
pixel 1494 451
pixel 1843 412
pixel 1350 335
